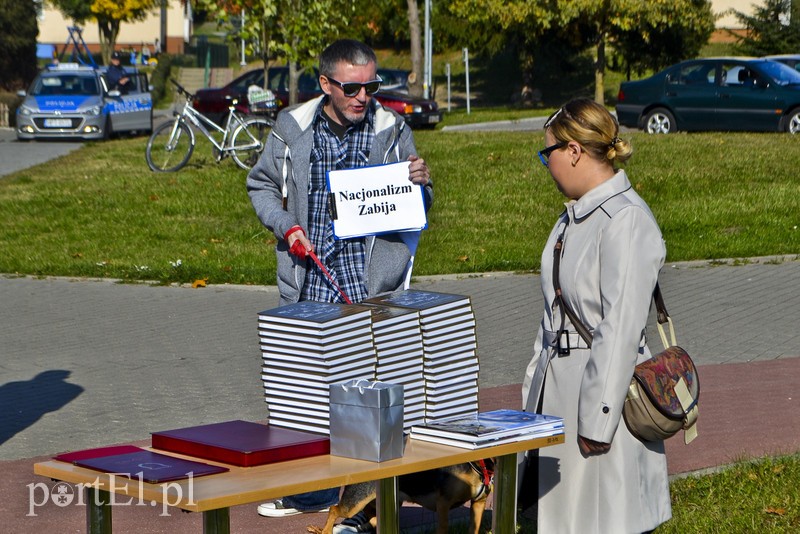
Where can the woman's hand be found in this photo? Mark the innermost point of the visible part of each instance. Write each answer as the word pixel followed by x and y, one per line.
pixel 589 447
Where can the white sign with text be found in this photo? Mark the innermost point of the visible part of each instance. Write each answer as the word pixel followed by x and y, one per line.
pixel 375 200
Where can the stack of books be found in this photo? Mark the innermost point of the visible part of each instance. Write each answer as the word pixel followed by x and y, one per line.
pixel 306 347
pixel 398 344
pixel 450 360
pixel 488 428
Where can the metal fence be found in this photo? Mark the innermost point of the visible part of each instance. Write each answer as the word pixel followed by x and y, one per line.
pixel 5 119
pixel 209 55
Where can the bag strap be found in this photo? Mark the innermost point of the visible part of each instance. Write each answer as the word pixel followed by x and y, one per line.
pixel 662 316
pixel 562 304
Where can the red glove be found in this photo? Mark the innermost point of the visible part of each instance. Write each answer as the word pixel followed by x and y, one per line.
pixel 298 250
pixel 297 247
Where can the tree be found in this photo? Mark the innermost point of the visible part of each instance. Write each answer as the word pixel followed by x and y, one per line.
pixel 18 32
pixel 109 14
pixel 294 30
pixel 415 85
pixel 651 48
pixel 774 28
pixel 588 23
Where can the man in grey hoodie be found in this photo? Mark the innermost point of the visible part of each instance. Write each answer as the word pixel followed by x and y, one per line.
pixel 345 128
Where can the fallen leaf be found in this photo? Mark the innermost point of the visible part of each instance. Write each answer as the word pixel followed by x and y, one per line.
pixel 153 198
pixel 775 511
pixel 200 282
pixel 463 258
pixel 215 240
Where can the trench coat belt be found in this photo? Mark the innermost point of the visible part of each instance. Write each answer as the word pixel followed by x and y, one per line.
pixel 575 340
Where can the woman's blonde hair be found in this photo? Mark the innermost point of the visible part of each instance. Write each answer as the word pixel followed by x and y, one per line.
pixel 593 127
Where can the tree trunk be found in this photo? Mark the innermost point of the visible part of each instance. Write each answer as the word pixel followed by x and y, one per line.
pixel 265 54
pixel 109 30
pixel 415 88
pixel 599 71
pixel 294 75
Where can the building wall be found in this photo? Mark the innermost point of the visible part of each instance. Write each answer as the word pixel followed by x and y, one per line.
pixel 729 21
pixel 53 30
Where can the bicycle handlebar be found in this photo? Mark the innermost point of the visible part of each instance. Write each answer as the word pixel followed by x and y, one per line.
pixel 181 89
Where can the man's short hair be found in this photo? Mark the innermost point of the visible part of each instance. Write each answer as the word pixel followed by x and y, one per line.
pixel 347 51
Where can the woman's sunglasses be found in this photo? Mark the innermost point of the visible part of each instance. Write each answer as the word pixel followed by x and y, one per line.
pixel 353 88
pixel 544 154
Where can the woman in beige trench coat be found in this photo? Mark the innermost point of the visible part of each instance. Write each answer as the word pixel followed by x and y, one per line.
pixel 602 479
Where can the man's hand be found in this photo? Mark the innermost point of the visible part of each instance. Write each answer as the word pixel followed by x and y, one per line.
pixel 298 243
pixel 418 171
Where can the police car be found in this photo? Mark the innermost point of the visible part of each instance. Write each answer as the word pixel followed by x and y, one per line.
pixel 73 101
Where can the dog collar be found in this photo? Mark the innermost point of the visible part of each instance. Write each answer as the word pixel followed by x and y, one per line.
pixel 486 473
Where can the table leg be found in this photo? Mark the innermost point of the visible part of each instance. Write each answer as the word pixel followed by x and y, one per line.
pixel 386 504
pixel 504 518
pixel 98 511
pixel 217 521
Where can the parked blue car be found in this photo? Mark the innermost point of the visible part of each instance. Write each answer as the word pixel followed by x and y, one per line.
pixel 714 94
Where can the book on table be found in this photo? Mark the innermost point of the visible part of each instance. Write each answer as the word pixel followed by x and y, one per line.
pixel 486 443
pixel 426 302
pixel 99 452
pixel 306 346
pixel 149 466
pixel 242 443
pixel 489 426
pixel 316 315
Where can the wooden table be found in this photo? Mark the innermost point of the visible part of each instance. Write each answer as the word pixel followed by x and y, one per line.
pixel 213 495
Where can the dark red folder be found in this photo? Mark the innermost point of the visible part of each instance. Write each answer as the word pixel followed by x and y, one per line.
pixel 150 466
pixel 242 443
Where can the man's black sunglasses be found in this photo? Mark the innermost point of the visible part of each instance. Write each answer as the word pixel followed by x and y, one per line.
pixel 353 88
pixel 544 154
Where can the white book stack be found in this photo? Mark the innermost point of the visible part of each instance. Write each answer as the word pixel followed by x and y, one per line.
pixel 487 429
pixel 398 344
pixel 450 359
pixel 306 347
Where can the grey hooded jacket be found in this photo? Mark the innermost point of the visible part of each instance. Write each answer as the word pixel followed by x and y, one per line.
pixel 281 178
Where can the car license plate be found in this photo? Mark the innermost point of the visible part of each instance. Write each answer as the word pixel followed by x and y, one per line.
pixel 57 123
pixel 433 118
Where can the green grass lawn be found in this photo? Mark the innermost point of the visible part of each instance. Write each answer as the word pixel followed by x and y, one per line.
pixel 100 212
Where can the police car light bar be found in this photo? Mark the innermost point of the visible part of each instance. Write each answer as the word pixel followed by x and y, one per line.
pixel 70 66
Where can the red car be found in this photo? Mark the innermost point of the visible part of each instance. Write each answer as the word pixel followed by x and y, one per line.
pixel 213 101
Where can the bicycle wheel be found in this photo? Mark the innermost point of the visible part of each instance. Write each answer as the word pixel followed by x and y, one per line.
pixel 248 141
pixel 170 147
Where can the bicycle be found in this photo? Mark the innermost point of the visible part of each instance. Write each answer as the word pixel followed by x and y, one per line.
pixel 171 144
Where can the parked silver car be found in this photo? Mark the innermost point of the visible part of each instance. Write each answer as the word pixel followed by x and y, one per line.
pixel 73 101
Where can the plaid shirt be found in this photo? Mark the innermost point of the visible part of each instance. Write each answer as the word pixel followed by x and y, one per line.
pixel 343 258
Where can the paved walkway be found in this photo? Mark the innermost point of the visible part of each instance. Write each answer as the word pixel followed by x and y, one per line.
pixel 90 363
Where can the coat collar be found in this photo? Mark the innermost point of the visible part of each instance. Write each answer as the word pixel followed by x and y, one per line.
pixel 588 203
